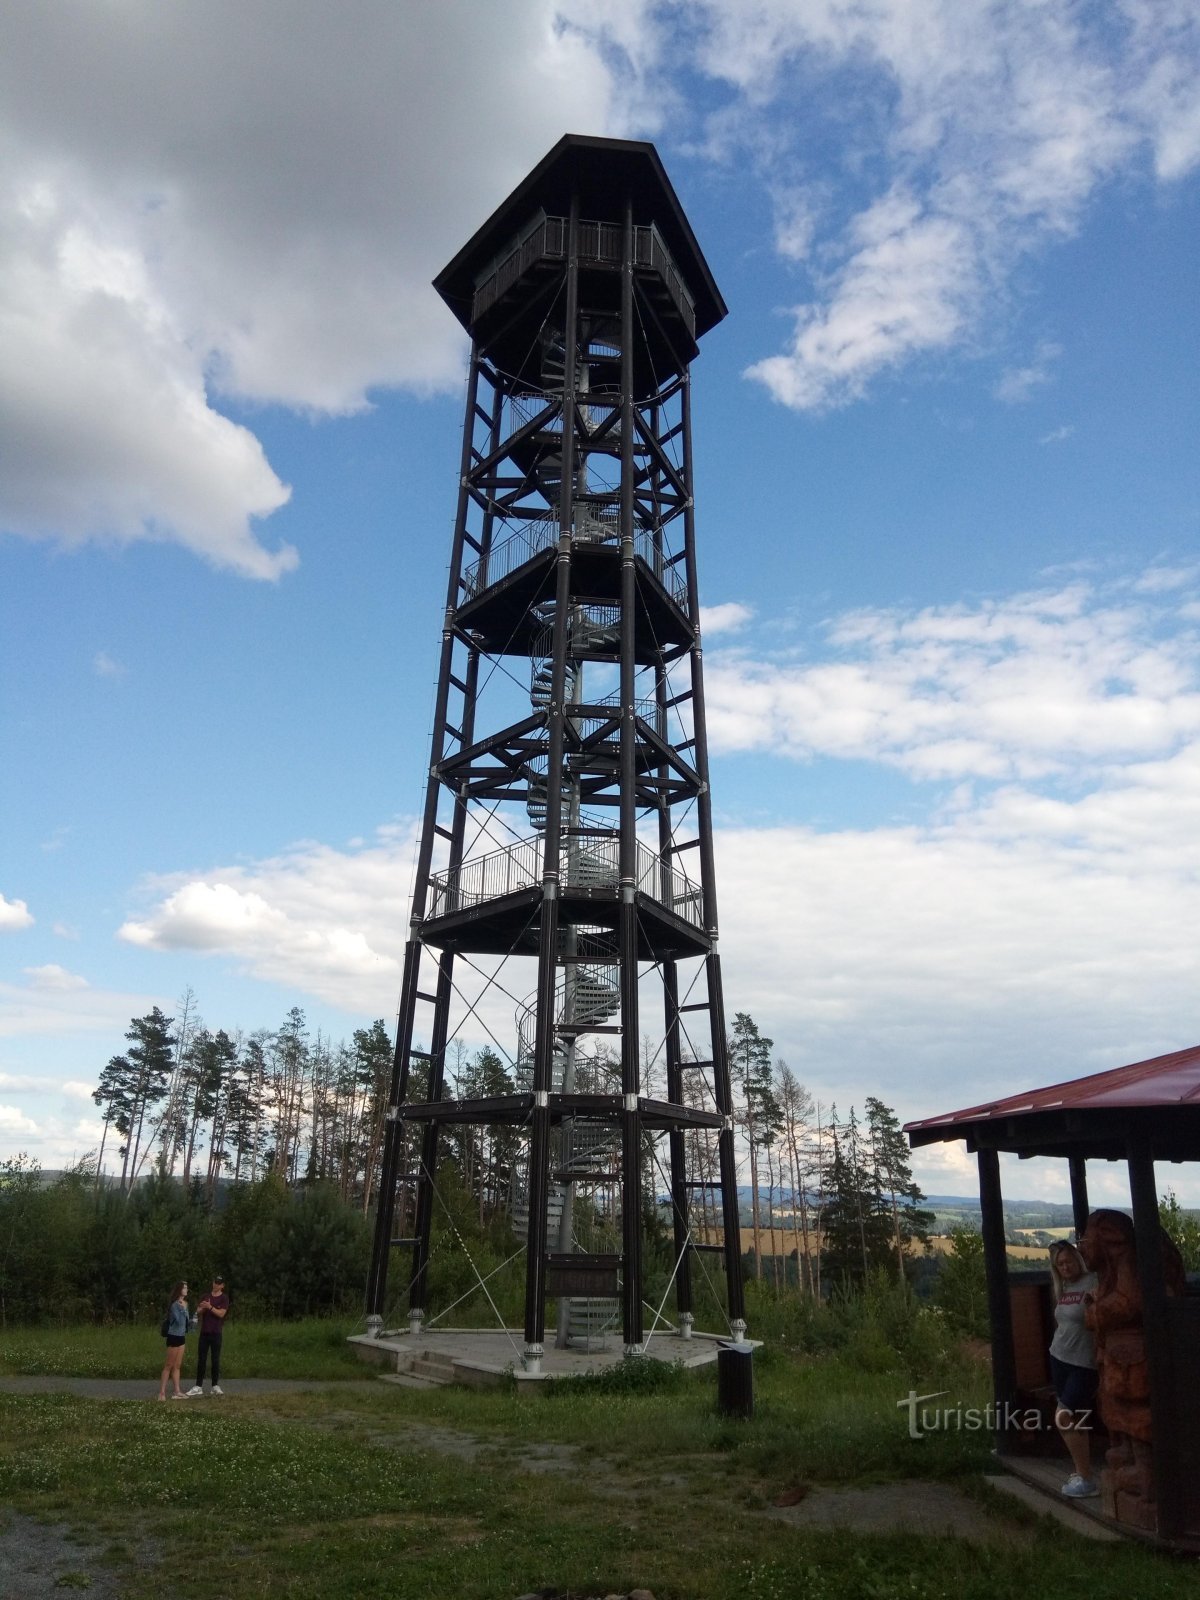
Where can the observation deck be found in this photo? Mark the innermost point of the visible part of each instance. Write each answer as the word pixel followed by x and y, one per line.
pixel 491 904
pixel 503 281
pixel 504 589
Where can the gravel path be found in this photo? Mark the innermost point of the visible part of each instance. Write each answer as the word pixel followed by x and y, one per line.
pixel 39 1560
pixel 147 1388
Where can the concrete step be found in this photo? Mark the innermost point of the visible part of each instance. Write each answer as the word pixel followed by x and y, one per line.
pixel 432 1366
pixel 409 1380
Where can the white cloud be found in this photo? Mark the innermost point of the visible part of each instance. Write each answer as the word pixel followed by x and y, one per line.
pixel 13 1120
pixel 102 395
pixel 33 1009
pixel 1163 579
pixel 78 1091
pixel 1019 383
pixel 105 666
pixel 204 204
pixel 1033 685
pixel 14 914
pixel 974 136
pixel 1057 435
pixel 728 617
pixel 327 921
pixel 1035 923
pixel 20 1083
pixel 52 976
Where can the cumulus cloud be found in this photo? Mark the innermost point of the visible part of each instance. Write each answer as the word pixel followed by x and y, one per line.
pixel 14 914
pixel 328 921
pixel 76 1090
pixel 1034 923
pixel 979 134
pixel 20 1083
pixel 1032 685
pixel 195 206
pixel 725 618
pixel 13 1120
pixel 52 976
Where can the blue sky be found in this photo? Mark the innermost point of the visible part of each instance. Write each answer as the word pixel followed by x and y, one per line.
pixel 948 498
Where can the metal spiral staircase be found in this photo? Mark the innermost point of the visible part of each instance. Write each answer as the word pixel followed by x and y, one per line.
pixel 584 1152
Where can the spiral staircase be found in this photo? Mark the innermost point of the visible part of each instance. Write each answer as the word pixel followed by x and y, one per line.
pixel 587 996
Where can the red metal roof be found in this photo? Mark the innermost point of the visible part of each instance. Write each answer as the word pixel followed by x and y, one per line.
pixel 1163 1081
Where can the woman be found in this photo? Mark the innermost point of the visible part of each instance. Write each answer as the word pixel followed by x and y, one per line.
pixel 1073 1365
pixel 176 1322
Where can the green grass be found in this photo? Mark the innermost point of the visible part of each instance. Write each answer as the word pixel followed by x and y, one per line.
pixel 315 1348
pixel 347 1492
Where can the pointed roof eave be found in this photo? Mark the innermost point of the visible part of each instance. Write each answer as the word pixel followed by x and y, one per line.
pixel 1156 1084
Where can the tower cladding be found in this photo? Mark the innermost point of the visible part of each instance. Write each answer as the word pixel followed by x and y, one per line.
pixel 566 853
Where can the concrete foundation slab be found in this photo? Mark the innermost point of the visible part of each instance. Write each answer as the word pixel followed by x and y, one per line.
pixel 482 1356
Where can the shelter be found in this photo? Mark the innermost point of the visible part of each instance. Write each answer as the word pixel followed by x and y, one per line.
pixel 1141 1114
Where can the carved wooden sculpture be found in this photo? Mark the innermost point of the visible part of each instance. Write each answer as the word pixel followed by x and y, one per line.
pixel 1115 1314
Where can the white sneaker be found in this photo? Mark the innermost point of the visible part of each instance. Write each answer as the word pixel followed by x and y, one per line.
pixel 195 1390
pixel 216 1389
pixel 1078 1487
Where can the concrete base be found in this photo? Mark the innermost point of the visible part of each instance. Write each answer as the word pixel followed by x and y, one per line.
pixel 484 1356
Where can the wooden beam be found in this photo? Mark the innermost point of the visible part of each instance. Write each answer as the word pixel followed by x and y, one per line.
pixel 995 1256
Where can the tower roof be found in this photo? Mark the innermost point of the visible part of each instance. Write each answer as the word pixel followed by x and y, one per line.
pixel 605 170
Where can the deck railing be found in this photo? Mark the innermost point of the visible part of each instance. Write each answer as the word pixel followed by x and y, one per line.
pixel 589 863
pixel 504 558
pixel 600 244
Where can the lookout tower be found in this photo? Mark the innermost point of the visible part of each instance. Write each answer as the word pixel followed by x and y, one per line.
pixel 566 856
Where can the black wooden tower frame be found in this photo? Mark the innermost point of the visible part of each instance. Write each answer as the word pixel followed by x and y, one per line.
pixel 574 548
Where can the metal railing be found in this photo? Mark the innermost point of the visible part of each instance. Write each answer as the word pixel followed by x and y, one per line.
pixel 589 863
pixel 501 872
pixel 504 558
pixel 600 244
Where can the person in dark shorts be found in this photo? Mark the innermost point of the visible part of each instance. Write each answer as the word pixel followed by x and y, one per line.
pixel 1073 1365
pixel 175 1327
pixel 212 1311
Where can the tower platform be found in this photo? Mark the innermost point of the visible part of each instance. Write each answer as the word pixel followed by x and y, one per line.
pixel 484 1357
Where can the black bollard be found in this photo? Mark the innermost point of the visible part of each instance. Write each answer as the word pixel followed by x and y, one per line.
pixel 735 1380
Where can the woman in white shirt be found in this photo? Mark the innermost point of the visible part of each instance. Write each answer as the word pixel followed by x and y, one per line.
pixel 1073 1365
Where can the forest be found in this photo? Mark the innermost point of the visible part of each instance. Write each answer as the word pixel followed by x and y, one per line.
pixel 258 1154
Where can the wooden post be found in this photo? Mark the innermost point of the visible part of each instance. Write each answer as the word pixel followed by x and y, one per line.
pixel 995 1257
pixel 1164 1414
pixel 1079 1194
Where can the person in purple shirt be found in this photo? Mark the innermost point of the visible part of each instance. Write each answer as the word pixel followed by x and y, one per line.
pixel 212 1311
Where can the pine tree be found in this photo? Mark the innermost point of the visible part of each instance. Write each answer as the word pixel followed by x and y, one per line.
pixel 796 1107
pixel 750 1069
pixel 855 1226
pixel 132 1084
pixel 896 1193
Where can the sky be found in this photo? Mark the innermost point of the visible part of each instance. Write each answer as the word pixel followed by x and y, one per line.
pixel 948 513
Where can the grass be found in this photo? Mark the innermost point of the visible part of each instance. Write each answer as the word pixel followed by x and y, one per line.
pixel 397 1492
pixel 315 1348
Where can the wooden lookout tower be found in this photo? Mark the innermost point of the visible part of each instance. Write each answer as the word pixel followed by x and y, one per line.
pixel 566 856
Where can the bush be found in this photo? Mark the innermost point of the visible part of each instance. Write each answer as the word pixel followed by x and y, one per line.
pixel 961 1288
pixel 881 1327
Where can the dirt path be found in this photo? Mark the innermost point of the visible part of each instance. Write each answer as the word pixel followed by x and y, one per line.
pixel 147 1388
